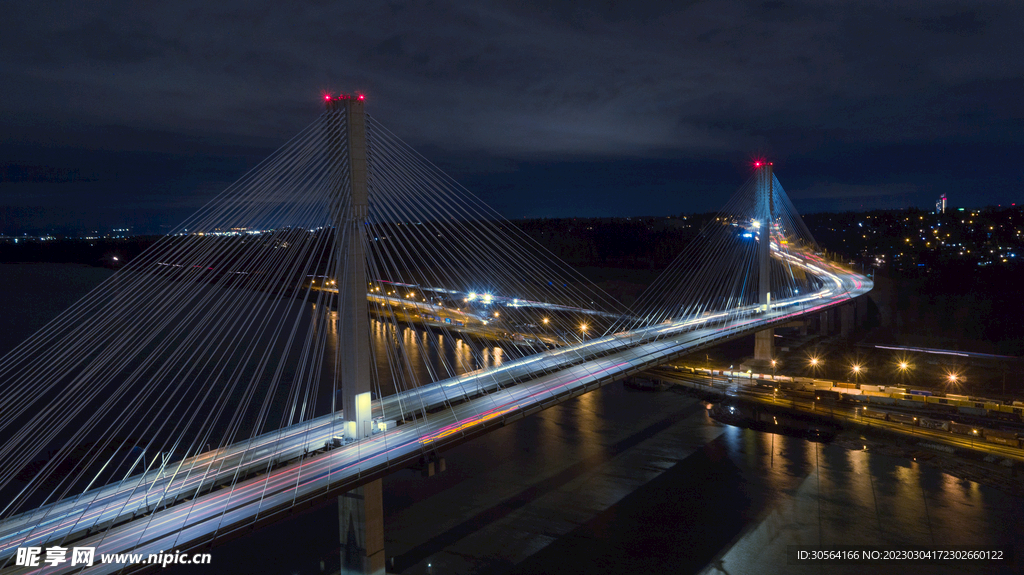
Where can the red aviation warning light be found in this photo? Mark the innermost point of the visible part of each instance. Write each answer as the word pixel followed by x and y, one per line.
pixel 332 102
pixel 757 164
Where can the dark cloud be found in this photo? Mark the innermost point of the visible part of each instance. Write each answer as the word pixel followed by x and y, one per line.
pixel 525 84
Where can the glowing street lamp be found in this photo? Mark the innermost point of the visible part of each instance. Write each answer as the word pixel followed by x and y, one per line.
pixel 774 364
pixel 583 330
pixel 903 367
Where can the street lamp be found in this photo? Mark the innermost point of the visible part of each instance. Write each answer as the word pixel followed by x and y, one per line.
pixel 774 364
pixel 856 369
pixel 904 367
pixel 815 363
pixel 583 330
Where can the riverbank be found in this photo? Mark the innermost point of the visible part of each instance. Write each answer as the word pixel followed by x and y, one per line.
pixel 1004 474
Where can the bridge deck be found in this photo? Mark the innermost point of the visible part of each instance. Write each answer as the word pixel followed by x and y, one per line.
pixel 153 514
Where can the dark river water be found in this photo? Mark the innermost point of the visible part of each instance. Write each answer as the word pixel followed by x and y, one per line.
pixel 615 481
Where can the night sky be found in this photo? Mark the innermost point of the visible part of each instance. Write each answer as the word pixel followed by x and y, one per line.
pixel 131 113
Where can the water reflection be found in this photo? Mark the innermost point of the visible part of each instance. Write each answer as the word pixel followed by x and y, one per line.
pixel 424 355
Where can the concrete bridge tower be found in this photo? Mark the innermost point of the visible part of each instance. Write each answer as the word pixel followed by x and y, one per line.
pixel 764 340
pixel 360 511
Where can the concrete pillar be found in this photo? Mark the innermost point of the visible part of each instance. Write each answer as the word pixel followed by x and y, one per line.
pixel 346 124
pixel 846 319
pixel 860 311
pixel 361 529
pixel 764 346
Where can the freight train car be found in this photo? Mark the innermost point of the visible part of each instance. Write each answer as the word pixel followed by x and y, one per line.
pixel 1000 437
pixel 874 413
pixel 903 418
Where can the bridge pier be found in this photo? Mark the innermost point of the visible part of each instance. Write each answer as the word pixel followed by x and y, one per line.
pixel 764 347
pixel 827 322
pixel 361 530
pixel 847 313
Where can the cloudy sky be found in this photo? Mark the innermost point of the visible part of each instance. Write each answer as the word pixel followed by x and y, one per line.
pixel 131 113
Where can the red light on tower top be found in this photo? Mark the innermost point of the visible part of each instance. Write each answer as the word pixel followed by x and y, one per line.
pixel 757 164
pixel 333 102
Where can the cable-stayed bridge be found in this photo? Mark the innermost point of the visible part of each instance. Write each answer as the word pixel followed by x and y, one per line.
pixel 226 375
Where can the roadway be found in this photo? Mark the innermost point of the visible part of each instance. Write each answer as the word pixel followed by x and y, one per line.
pixel 182 505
